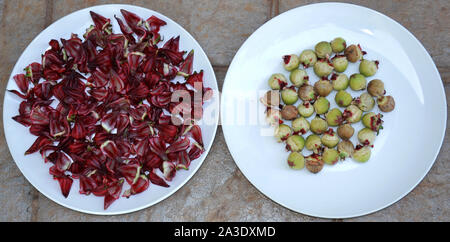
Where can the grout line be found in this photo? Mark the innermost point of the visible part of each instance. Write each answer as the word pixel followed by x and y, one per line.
pixel 276 7
pixel 48 13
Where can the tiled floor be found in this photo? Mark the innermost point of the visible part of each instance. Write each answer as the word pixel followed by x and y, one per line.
pixel 220 27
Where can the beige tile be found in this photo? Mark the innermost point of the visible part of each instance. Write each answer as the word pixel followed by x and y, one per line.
pixel 429 21
pixel 21 21
pixel 219 26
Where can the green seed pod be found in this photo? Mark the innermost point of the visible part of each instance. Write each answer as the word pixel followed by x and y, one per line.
pixel 345 149
pixel 305 109
pixel 362 153
pixel 323 87
pixel 334 117
pixel 376 88
pixel 323 49
pixel 289 112
pixel 298 77
pixel 314 163
pixel 357 82
pixel 330 139
pixel 313 143
pixel 282 132
pixel 365 102
pixel 338 45
pixel 296 161
pixel 271 99
pixel 318 125
pixel 339 81
pixel 306 93
pixel 321 105
pixel 295 143
pixel 366 136
pixel 300 125
pixel 277 81
pixel 330 156
pixel 345 131
pixel 352 114
pixel 386 103
pixel 340 63
pixel 343 98
pixel 291 62
pixel 373 121
pixel 368 68
pixel 353 53
pixel 323 68
pixel 308 58
pixel 273 116
pixel 289 96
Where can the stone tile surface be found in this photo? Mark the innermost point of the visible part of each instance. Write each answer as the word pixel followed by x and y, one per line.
pixel 16 193
pixel 219 191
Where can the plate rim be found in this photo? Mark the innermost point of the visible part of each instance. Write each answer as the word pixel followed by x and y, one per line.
pixel 192 172
pixel 357 214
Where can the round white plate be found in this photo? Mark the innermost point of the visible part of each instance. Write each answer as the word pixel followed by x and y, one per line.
pixel 404 151
pixel 19 139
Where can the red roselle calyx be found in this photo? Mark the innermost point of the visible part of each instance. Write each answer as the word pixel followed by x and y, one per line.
pixel 113 93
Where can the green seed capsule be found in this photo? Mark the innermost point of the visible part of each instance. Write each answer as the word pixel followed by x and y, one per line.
pixel 330 156
pixel 334 117
pixel 300 125
pixel 308 58
pixel 271 98
pixel 289 112
pixel 373 121
pixel 296 161
pixel 313 143
pixel 386 103
pixel 352 114
pixel 323 68
pixel 345 149
pixel 273 116
pixel 321 105
pixel 362 154
pixel 357 82
pixel 368 68
pixel 289 96
pixel 323 88
pixel 338 45
pixel 345 131
pixel 291 62
pixel 277 81
pixel 306 93
pixel 365 102
pixel 330 139
pixel 340 82
pixel 295 143
pixel 305 109
pixel 318 125
pixel 282 132
pixel 298 77
pixel 353 53
pixel 376 88
pixel 323 49
pixel 366 136
pixel 343 98
pixel 314 163
pixel 340 63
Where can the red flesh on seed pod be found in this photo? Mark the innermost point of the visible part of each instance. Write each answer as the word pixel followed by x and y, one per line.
pixel 112 93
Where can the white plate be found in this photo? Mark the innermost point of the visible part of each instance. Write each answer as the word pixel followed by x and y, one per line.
pixel 19 139
pixel 404 151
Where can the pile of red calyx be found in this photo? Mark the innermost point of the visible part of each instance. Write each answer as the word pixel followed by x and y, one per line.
pixel 113 118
